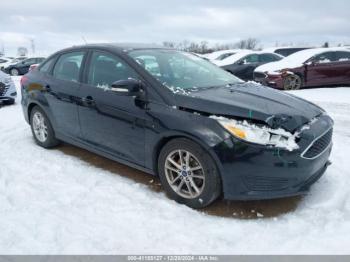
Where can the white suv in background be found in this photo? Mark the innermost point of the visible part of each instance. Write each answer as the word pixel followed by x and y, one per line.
pixel 4 62
pixel 8 92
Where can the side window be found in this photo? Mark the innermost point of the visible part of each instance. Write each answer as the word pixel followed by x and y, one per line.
pixel 39 60
pixel 68 66
pixel 29 61
pixel 326 57
pixel 47 65
pixel 223 56
pixel 105 69
pixel 265 58
pixel 343 56
pixel 249 59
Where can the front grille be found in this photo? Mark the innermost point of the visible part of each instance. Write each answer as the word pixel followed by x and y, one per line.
pixel 2 89
pixel 318 146
pixel 259 75
pixel 262 183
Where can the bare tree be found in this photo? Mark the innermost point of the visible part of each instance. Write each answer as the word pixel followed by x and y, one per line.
pixel 249 43
pixel 203 46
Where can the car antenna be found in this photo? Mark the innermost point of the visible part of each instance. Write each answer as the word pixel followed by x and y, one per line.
pixel 84 39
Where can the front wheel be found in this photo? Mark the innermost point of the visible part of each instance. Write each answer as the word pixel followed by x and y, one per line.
pixel 188 173
pixel 292 82
pixel 42 130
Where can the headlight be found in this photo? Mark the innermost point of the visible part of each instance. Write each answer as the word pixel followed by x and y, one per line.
pixel 262 135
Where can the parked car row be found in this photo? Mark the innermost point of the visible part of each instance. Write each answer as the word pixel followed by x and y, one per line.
pixel 299 67
pixel 21 67
pixel 307 68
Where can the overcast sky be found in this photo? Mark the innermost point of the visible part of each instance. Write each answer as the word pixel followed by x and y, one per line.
pixel 56 24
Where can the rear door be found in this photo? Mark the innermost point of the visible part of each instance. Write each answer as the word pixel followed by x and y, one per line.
pixel 343 67
pixel 62 90
pixel 322 70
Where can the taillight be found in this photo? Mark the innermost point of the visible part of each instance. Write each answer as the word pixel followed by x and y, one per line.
pixel 24 80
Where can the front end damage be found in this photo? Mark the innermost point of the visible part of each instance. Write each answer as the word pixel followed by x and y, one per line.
pixel 264 171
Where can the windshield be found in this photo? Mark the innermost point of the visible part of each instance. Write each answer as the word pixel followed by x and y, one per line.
pixel 181 70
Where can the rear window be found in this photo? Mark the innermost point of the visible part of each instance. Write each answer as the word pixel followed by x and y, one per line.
pixel 342 56
pixel 68 66
pixel 45 68
pixel 288 51
pixel 266 58
pixel 223 56
pixel 326 57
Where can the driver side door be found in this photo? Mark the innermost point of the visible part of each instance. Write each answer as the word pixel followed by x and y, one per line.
pixel 110 122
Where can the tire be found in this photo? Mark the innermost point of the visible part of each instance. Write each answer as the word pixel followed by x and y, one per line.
pixel 42 130
pixel 14 72
pixel 292 82
pixel 201 183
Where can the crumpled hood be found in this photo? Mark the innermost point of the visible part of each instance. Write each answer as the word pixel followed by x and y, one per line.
pixel 252 101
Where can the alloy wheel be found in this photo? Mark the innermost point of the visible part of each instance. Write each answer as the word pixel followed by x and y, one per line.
pixel 40 127
pixel 292 82
pixel 184 174
pixel 14 72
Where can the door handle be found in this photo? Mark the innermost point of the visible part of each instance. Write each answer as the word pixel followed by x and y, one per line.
pixel 88 101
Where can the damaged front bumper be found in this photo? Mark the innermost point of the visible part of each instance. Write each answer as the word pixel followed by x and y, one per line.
pixel 251 171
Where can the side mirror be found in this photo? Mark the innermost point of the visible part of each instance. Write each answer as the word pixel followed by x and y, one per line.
pixel 309 63
pixel 241 62
pixel 128 87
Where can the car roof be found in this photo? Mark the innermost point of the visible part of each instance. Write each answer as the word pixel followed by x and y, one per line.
pixel 117 46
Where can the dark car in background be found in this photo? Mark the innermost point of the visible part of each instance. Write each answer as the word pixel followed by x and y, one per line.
pixel 205 132
pixel 307 68
pixel 242 64
pixel 286 51
pixel 22 67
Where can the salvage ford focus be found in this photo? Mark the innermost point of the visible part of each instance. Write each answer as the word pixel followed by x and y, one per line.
pixel 203 131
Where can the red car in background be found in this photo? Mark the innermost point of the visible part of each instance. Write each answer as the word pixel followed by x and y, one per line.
pixel 307 68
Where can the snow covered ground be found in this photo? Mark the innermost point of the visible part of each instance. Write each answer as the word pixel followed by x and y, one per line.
pixel 69 201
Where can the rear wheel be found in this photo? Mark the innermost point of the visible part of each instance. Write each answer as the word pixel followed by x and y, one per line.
pixel 14 72
pixel 42 130
pixel 188 173
pixel 292 82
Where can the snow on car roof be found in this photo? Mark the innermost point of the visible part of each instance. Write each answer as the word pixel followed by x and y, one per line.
pixel 295 60
pixel 234 58
pixel 216 54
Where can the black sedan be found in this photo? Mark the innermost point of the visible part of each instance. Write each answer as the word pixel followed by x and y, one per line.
pixel 22 67
pixel 242 64
pixel 204 132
